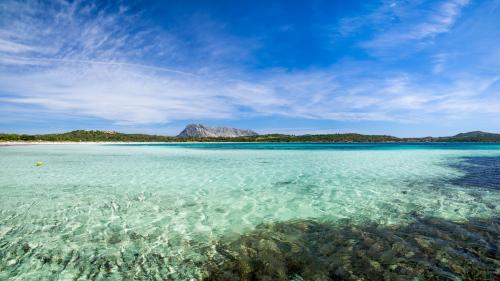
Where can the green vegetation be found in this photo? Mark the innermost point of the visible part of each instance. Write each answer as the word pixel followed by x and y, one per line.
pixel 107 136
pixel 476 136
pixel 314 138
pixel 91 136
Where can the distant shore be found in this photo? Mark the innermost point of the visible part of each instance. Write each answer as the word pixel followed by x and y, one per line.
pixel 27 143
pixel 22 143
pixel 106 137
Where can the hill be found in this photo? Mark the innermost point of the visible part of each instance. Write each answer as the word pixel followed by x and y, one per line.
pixel 476 136
pixel 88 136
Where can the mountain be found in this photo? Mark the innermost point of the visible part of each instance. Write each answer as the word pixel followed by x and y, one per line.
pixel 198 130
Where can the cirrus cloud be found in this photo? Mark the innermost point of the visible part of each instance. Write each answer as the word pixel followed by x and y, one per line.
pixel 83 59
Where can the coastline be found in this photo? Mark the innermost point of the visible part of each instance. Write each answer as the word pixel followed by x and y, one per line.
pixel 26 143
pixel 22 143
pixel 106 137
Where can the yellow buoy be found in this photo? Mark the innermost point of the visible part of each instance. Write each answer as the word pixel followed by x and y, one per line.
pixel 39 163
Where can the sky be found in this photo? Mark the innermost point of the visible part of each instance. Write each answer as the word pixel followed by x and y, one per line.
pixel 404 68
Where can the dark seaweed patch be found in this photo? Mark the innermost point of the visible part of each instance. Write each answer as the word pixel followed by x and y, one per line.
pixel 427 249
pixel 483 172
pixel 284 183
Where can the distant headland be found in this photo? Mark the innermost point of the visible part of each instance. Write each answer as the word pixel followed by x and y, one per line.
pixel 203 133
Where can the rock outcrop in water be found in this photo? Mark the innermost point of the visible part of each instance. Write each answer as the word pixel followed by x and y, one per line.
pixel 198 130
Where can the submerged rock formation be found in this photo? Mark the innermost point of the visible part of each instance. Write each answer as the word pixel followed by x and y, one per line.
pixel 426 249
pixel 198 130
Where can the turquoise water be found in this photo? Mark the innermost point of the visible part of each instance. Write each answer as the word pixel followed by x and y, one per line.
pixel 158 211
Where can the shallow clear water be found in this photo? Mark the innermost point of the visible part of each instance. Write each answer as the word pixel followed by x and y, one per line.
pixel 160 210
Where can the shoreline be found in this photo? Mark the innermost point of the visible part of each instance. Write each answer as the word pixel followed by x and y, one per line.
pixel 21 143
pixel 26 143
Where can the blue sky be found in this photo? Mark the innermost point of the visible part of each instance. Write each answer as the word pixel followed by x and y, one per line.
pixel 405 68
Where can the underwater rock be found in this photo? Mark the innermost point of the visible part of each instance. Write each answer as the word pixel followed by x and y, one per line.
pixel 481 172
pixel 427 249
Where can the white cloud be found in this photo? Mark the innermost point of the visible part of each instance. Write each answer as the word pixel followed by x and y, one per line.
pixel 440 20
pixel 12 47
pixel 120 93
pixel 100 64
pixel 412 22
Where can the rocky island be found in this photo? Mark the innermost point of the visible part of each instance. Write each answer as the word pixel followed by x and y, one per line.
pixel 203 131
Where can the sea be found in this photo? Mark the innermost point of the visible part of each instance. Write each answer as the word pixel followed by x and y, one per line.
pixel 250 211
